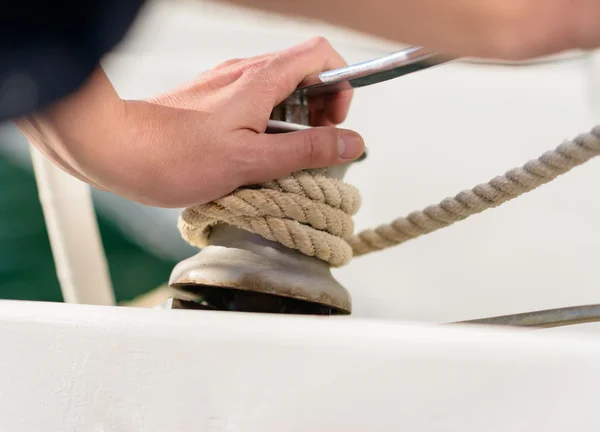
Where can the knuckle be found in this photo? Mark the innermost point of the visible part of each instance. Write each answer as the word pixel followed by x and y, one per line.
pixel 228 63
pixel 258 70
pixel 310 149
pixel 247 159
pixel 266 75
pixel 320 41
pixel 276 75
pixel 273 69
pixel 314 148
pixel 254 65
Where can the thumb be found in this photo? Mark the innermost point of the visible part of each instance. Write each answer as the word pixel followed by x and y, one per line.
pixel 319 147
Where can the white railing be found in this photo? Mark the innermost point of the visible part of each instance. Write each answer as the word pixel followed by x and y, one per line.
pixel 79 257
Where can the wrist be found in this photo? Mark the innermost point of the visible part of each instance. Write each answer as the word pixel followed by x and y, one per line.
pixel 75 131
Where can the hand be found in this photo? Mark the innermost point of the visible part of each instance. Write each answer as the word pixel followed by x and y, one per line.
pixel 202 141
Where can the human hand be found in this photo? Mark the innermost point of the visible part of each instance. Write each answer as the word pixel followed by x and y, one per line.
pixel 203 140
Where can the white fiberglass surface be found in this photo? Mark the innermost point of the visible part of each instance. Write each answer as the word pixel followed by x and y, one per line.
pixel 92 368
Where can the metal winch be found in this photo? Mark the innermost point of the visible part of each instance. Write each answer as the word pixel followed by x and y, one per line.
pixel 242 271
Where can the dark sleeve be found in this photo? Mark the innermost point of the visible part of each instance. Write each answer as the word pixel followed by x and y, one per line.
pixel 48 48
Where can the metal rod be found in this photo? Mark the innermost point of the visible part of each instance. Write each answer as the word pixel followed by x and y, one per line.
pixel 545 318
pixel 373 71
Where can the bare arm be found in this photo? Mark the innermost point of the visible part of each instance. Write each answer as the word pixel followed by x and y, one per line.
pixel 506 29
pixel 200 141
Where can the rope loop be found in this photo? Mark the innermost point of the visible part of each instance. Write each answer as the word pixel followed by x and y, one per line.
pixel 311 212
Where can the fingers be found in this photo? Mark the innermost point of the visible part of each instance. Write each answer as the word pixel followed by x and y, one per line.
pixel 313 56
pixel 337 106
pixel 300 61
pixel 273 77
pixel 228 63
pixel 329 109
pixel 270 78
pixel 277 155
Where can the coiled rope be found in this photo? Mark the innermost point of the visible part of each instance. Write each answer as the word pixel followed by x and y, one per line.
pixel 312 213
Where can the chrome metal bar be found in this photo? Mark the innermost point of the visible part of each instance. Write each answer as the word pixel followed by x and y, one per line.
pixel 545 318
pixel 373 71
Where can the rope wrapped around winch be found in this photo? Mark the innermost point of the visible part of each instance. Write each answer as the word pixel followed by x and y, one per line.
pixel 312 213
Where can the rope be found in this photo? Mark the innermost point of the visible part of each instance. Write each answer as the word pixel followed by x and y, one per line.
pixel 306 211
pixel 312 213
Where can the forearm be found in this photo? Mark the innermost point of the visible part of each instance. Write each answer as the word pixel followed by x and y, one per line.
pixel 512 29
pixel 94 110
pixel 92 115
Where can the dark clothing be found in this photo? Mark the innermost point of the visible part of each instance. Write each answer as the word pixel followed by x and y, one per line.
pixel 48 48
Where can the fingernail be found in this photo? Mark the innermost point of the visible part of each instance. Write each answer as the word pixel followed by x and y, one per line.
pixel 350 146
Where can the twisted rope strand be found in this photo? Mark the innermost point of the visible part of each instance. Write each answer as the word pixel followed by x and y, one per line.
pixel 306 211
pixel 497 191
pixel 312 213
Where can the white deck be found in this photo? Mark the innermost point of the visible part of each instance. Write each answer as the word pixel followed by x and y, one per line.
pixel 99 369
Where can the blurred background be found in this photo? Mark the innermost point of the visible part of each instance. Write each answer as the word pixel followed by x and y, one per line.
pixel 430 135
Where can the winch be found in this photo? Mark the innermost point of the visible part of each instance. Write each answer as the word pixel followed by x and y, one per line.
pixel 270 248
pixel 242 271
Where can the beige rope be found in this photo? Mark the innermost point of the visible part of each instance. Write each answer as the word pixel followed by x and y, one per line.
pixel 312 213
pixel 306 210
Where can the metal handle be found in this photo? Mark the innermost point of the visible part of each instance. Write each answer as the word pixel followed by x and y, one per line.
pixel 373 71
pixel 353 76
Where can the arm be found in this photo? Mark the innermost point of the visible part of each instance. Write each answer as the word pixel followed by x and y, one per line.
pixel 200 141
pixel 505 29
pixel 79 130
